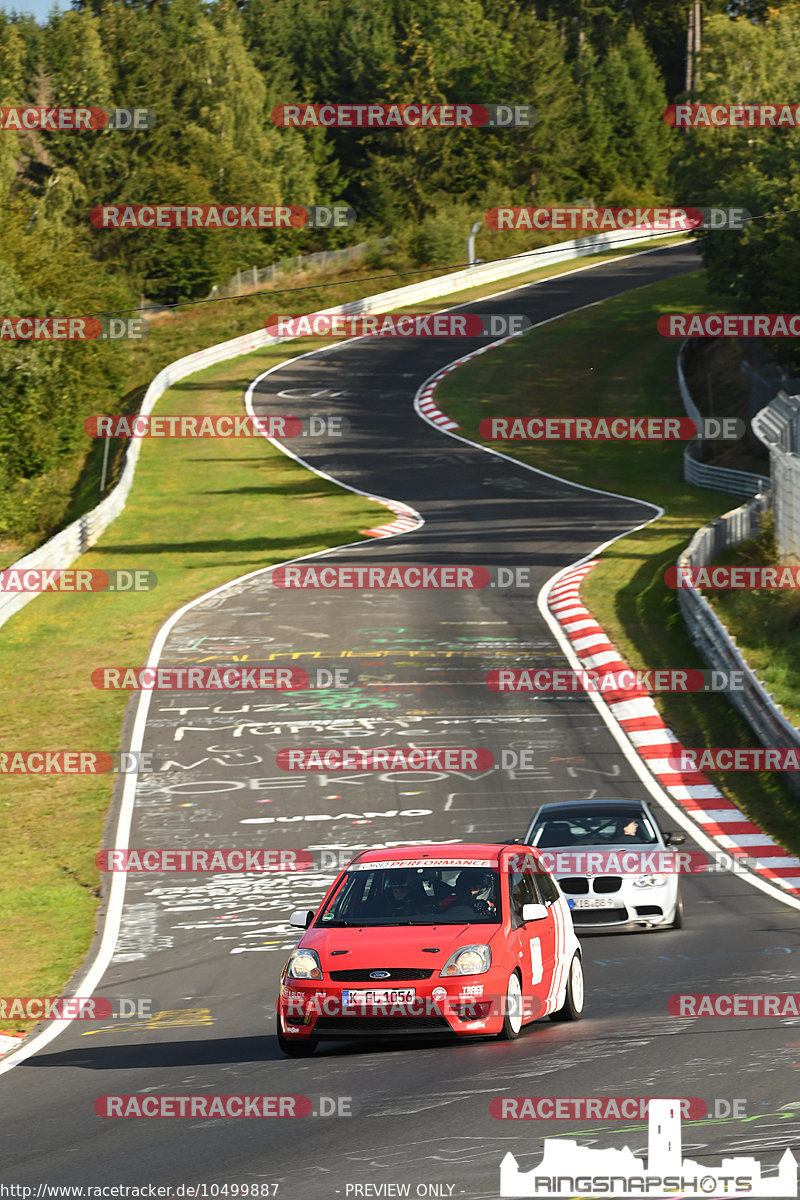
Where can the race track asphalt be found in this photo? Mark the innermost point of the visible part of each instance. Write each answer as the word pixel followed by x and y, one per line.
pixel 206 950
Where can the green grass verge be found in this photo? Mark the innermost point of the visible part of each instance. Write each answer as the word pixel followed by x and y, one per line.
pixel 765 623
pixel 610 361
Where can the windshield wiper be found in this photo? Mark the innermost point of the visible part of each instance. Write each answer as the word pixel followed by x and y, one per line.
pixel 336 923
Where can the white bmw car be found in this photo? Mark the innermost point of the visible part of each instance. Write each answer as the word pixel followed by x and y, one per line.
pixel 606 901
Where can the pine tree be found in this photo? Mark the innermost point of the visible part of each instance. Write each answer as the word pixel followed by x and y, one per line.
pixel 12 93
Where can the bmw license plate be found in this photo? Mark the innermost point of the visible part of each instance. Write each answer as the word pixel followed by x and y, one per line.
pixel 378 996
pixel 594 902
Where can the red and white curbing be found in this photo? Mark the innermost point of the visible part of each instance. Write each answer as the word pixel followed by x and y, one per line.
pixel 9 1041
pixel 405 520
pixel 423 402
pixel 655 743
pixel 426 406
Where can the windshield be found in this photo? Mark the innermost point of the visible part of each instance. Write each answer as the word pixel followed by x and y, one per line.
pixel 382 894
pixel 608 826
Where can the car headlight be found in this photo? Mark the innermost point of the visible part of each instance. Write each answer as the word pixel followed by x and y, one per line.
pixel 469 960
pixel 304 964
pixel 649 881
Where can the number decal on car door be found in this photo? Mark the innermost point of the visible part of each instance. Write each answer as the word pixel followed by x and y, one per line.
pixel 537 969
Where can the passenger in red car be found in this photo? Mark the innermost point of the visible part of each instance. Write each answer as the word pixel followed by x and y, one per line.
pixel 399 900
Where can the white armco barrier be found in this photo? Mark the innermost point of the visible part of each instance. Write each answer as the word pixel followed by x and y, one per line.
pixel 70 543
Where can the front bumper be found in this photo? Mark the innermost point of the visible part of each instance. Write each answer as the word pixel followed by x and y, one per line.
pixel 472 1006
pixel 631 907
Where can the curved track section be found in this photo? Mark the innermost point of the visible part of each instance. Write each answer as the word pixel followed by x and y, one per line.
pixel 206 950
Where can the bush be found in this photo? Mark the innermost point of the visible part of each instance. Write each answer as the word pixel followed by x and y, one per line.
pixel 440 240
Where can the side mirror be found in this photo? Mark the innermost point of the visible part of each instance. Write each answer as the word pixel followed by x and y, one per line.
pixel 674 839
pixel 302 917
pixel 534 912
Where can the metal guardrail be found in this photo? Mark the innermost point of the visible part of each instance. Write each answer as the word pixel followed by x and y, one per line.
pixel 717 646
pixel 778 427
pixel 70 543
pixel 767 379
pixel 754 702
pixel 778 423
pixel 721 479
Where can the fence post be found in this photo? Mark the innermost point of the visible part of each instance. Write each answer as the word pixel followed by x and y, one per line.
pixel 105 466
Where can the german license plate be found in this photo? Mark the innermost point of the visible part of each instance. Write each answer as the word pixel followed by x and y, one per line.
pixel 594 902
pixel 377 996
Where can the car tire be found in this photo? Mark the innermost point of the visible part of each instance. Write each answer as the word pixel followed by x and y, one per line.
pixel 572 1008
pixel 512 1011
pixel 295 1047
pixel 679 919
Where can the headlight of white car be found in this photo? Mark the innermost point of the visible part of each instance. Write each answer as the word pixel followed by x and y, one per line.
pixel 650 881
pixel 304 964
pixel 468 960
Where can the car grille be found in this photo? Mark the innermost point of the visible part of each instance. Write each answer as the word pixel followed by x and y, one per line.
pixel 599 916
pixel 574 887
pixel 580 885
pixel 359 974
pixel 607 883
pixel 649 910
pixel 384 1025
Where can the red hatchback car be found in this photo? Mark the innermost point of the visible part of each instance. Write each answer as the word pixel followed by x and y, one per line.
pixel 463 939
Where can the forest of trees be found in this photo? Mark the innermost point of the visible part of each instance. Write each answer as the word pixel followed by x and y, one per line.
pixel 599 72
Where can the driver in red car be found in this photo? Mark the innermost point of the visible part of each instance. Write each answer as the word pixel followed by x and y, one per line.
pixel 474 888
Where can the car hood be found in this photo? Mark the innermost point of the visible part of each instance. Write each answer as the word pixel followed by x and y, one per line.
pixel 394 946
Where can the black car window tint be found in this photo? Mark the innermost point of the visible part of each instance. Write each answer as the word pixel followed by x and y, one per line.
pixel 523 891
pixel 546 888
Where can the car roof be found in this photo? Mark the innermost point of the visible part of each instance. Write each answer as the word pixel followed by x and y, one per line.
pixel 457 851
pixel 597 803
